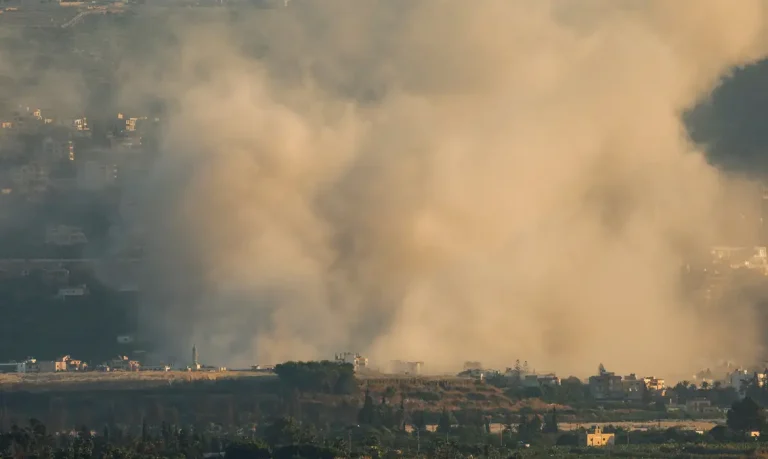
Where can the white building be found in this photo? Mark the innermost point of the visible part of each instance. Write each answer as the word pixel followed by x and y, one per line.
pixel 81 124
pixel 355 359
pixel 65 235
pixel 540 380
pixel 739 379
pixel 68 292
pixel 741 257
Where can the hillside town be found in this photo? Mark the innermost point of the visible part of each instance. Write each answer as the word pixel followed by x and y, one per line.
pixel 605 386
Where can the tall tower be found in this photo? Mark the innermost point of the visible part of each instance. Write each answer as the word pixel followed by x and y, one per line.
pixel 764 216
pixel 195 362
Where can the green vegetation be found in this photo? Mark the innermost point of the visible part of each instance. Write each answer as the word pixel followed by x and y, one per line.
pixel 285 437
pixel 302 413
pixel 324 377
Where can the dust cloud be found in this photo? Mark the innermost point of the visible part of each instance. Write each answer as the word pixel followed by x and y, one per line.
pixel 442 181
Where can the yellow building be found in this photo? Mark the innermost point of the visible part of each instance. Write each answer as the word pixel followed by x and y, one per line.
pixel 598 438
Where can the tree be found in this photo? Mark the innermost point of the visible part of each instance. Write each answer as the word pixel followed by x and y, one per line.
pixel 447 420
pixel 529 428
pixel 683 392
pixel 144 431
pixel 307 451
pixel 571 390
pixel 373 445
pixel 83 444
pixel 419 420
pixel 508 421
pixel 645 395
pixel 325 377
pixel 247 450
pixel 745 416
pixel 522 427
pixel 284 431
pixel 445 450
pixel 719 433
pixel 550 423
pixel 367 413
pixel 400 414
pixel 165 430
pixel 517 372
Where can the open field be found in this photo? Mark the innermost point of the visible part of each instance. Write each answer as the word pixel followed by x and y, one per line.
pixel 35 16
pixel 113 380
pixel 704 425
pixel 141 379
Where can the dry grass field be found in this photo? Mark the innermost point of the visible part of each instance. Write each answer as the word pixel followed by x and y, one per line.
pixel 113 380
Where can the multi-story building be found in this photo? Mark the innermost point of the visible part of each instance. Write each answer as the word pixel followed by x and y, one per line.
pixel 698 405
pixel 353 358
pixel 606 385
pixel 634 388
pixel 540 380
pixel 65 235
pixel 739 379
pixel 654 384
pixel 81 124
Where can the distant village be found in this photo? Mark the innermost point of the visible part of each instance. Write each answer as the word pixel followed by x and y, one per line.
pixel 604 386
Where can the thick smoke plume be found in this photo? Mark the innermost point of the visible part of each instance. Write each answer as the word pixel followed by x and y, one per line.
pixel 442 181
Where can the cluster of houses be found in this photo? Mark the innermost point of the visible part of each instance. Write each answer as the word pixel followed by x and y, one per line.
pixel 31 365
pixel 608 385
pixel 397 367
pixel 520 373
pixel 120 363
pixel 68 364
pixel 62 155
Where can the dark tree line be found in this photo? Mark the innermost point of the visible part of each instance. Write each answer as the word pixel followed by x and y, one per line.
pixel 282 439
pixel 324 377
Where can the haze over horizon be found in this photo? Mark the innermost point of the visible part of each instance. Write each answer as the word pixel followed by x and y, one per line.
pixel 438 181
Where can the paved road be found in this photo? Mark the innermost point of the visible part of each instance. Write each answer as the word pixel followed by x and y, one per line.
pixel 79 18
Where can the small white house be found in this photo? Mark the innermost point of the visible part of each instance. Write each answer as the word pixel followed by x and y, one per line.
pixel 69 292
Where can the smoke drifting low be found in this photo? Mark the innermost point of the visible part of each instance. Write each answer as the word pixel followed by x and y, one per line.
pixel 443 181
